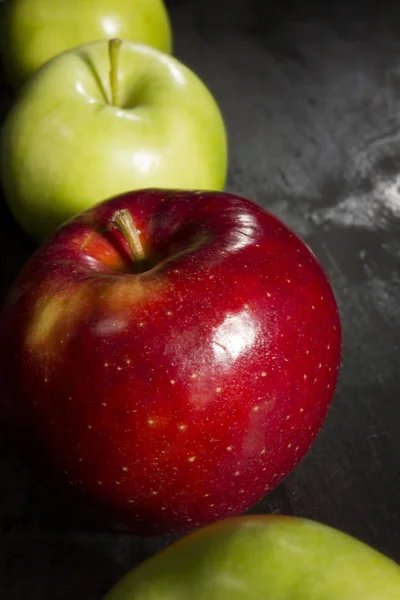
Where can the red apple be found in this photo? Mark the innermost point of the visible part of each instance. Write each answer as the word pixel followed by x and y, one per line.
pixel 172 353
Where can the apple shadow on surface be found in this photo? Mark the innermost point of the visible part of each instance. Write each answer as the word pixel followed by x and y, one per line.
pixel 15 248
pixel 48 550
pixel 52 552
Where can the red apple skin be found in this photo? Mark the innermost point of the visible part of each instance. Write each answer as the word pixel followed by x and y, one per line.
pixel 183 394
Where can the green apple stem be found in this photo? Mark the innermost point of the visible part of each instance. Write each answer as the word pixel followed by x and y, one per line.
pixel 114 46
pixel 123 221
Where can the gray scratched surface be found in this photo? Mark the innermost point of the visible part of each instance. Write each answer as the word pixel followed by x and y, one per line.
pixel 311 98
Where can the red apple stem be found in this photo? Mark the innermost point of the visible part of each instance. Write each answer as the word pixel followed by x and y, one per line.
pixel 114 46
pixel 123 221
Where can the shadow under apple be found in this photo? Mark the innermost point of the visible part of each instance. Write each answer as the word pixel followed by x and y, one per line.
pixel 49 549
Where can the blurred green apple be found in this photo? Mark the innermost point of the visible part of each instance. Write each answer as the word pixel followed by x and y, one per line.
pixel 99 120
pixel 33 31
pixel 263 558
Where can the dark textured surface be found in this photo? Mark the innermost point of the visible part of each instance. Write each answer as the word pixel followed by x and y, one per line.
pixel 311 97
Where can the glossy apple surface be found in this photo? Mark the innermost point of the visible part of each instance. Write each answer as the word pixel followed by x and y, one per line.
pixel 183 393
pixel 263 558
pixel 33 31
pixel 65 147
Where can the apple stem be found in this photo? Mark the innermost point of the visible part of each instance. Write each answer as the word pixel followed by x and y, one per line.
pixel 123 221
pixel 114 46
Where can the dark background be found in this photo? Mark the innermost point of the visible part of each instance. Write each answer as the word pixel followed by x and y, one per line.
pixel 311 99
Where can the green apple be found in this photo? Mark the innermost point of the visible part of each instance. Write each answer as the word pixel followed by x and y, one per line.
pixel 263 558
pixel 103 119
pixel 33 31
